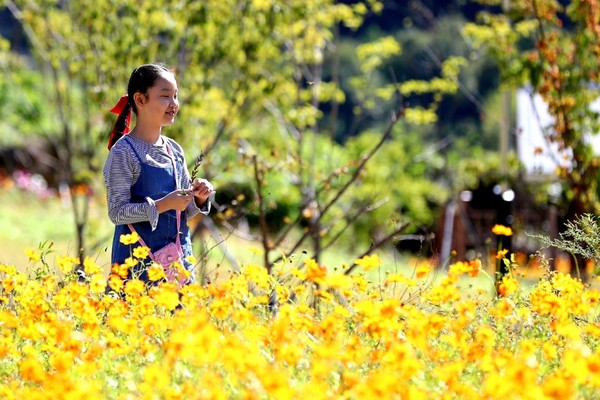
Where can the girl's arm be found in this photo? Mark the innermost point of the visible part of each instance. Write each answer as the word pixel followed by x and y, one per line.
pixel 121 171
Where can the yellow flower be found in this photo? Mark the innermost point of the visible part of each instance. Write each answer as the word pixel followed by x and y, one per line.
pixel 502 230
pixel 134 287
pixel 299 290
pixel 559 385
pixel 360 283
pixel 593 369
pixel 50 283
pixel 155 379
pixel 156 272
pixel 145 305
pixel 399 278
pixel 97 283
pixel 422 270
pixel 576 362
pixel 458 268
pixel 115 283
pixel 295 272
pixel 61 362
pixel 33 255
pixel 566 283
pixel 338 281
pixel 152 325
pixel 166 296
pixel 65 264
pixel 191 259
pixel 131 261
pixel 8 284
pixel 90 267
pixel 130 238
pixel 461 267
pixel 258 275
pixel 8 270
pixel 550 350
pixel 508 285
pixel 369 262
pixel 8 319
pixel 504 308
pixel 220 308
pixel 141 252
pixel 256 250
pixel 324 295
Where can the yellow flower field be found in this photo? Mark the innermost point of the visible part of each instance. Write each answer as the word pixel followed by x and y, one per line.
pixel 330 336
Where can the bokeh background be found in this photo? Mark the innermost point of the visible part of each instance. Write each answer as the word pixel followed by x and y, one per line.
pixel 331 129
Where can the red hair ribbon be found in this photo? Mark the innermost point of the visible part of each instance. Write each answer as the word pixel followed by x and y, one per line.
pixel 118 109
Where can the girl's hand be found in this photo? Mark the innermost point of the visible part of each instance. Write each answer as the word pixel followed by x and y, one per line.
pixel 201 188
pixel 173 201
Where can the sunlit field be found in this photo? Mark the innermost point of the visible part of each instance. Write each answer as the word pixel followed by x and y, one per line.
pixel 306 331
pixel 28 219
pixel 322 335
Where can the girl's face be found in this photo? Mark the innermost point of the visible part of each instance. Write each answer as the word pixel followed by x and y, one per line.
pixel 160 105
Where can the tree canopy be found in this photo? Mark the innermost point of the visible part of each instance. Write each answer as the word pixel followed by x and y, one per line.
pixel 257 79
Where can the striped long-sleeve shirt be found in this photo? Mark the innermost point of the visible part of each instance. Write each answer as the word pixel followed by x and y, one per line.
pixel 122 170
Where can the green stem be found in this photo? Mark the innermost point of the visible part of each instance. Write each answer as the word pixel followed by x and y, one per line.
pixel 576 265
pixel 491 280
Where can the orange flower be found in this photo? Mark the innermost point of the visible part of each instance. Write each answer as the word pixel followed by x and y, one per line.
pixel 501 253
pixel 31 369
pixel 314 271
pixel 120 270
pixel 474 267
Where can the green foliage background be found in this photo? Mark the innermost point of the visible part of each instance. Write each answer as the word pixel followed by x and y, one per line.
pixel 262 78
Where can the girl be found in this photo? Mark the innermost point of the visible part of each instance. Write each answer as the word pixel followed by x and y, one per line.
pixel 147 181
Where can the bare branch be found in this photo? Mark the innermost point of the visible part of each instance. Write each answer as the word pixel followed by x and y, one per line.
pixel 351 220
pixel 377 245
pixel 353 178
pixel 365 160
pixel 262 219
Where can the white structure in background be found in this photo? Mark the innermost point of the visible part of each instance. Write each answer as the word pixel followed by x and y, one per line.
pixel 540 157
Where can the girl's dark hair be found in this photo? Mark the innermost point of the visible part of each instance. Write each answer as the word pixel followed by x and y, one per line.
pixel 142 78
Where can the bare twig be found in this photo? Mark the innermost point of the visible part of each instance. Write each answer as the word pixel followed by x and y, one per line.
pixel 353 178
pixel 351 220
pixel 377 245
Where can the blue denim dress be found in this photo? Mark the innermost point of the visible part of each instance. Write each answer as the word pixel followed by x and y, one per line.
pixel 155 183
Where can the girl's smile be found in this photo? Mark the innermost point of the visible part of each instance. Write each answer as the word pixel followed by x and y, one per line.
pixel 161 100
